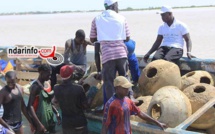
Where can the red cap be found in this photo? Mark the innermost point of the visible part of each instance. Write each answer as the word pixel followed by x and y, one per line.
pixel 66 71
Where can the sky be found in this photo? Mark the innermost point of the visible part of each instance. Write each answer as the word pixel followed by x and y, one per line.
pixel 8 6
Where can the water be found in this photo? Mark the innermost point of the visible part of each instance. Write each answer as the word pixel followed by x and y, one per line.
pixel 55 29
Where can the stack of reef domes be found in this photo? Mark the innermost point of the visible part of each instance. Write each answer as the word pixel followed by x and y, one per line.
pixel 169 104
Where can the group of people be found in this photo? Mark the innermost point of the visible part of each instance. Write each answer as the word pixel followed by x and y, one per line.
pixel 110 35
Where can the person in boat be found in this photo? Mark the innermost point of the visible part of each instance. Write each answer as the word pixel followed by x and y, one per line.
pixel 110 29
pixel 13 103
pixel 116 118
pixel 170 39
pixel 39 104
pixel 74 54
pixel 133 61
pixel 72 101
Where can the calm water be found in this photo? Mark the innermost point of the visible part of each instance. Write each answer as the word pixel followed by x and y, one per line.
pixel 55 29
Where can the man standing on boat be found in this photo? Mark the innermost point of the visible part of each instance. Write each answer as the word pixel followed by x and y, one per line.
pixel 169 43
pixel 116 119
pixel 74 54
pixel 39 103
pixel 72 101
pixel 111 29
pixel 13 103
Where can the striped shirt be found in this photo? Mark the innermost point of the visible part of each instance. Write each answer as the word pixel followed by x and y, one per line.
pixel 111 50
pixel 117 115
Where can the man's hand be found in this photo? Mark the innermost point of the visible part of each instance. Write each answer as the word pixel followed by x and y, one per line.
pixel 146 57
pixel 190 56
pixel 88 42
pixel 10 131
pixel 98 76
pixel 41 129
pixel 58 119
pixel 162 125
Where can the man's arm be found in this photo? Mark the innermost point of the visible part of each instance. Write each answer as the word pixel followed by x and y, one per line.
pixel 93 32
pixel 127 39
pixel 67 51
pixel 150 119
pixel 2 122
pixel 34 92
pixel 93 40
pixel 54 102
pixel 23 107
pixel 154 47
pixel 88 42
pixel 189 45
pixel 83 98
pixel 97 57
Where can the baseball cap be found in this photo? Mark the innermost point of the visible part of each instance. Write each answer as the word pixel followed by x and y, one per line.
pixel 122 81
pixel 110 2
pixel 165 9
pixel 66 71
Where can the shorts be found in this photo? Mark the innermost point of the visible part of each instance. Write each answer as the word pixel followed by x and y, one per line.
pixel 3 130
pixel 16 126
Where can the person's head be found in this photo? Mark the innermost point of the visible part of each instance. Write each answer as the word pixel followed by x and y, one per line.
pixel 44 72
pixel 166 14
pixel 80 36
pixel 66 72
pixel 122 86
pixel 111 5
pixel 10 77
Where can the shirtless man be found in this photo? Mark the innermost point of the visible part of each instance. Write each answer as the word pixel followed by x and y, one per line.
pixel 13 103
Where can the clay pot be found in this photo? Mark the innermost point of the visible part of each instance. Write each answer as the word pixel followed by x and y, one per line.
pixel 158 74
pixel 199 94
pixel 143 107
pixel 196 77
pixel 170 105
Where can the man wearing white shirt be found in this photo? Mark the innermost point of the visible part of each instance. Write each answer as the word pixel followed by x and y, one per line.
pixel 170 39
pixel 110 29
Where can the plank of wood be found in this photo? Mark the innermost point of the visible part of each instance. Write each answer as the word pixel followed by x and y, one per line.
pixel 27 75
pixel 196 115
pixel 36 61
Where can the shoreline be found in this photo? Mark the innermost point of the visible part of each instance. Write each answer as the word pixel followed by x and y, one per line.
pixel 128 9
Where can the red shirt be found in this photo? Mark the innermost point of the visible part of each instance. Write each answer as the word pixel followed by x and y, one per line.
pixel 117 115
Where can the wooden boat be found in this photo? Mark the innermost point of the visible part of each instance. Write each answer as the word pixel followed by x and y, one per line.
pixel 95 120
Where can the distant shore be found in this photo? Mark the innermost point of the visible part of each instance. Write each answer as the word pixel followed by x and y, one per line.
pixel 79 11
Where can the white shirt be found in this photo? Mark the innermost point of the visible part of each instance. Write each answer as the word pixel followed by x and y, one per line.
pixel 110 26
pixel 173 35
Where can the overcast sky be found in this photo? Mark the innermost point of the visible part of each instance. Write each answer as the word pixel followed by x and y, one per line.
pixel 7 6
